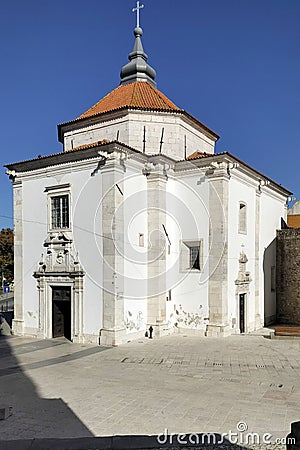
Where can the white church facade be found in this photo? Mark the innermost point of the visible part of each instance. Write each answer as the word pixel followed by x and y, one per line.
pixel 138 223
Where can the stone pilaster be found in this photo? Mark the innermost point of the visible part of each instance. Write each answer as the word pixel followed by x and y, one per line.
pixel 113 331
pixel 18 321
pixel 156 199
pixel 218 254
pixel 258 319
pixel 78 335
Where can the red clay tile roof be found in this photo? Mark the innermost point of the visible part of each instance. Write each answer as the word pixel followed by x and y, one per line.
pixel 198 155
pixel 139 94
pixel 91 145
pixel 293 220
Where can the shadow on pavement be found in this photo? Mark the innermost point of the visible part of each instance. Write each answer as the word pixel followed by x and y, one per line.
pixel 184 442
pixel 32 416
pixel 51 424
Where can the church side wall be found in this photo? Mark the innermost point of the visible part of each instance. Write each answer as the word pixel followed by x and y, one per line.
pixel 87 232
pixel 265 208
pixel 34 235
pixel 134 191
pixel 187 222
pixel 241 191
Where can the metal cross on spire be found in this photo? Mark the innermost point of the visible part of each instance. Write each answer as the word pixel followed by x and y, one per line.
pixel 137 10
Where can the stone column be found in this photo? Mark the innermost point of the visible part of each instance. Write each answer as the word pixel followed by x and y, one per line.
pixel 41 332
pixel 156 204
pixel 218 254
pixel 77 335
pixel 18 321
pixel 113 331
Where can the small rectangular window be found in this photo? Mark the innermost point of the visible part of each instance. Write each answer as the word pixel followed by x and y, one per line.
pixel 60 212
pixel 141 240
pixel 242 218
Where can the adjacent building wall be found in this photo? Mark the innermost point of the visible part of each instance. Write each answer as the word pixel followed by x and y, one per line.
pixel 273 210
pixel 288 276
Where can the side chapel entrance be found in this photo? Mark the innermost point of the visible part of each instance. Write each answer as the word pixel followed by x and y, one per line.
pixel 61 312
pixel 242 294
pixel 60 285
pixel 242 312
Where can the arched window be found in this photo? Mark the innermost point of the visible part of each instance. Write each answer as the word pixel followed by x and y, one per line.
pixel 242 217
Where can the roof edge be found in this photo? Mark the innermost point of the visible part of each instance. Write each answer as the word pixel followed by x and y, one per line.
pixel 219 156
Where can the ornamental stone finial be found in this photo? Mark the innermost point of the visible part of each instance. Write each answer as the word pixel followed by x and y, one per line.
pixel 138 69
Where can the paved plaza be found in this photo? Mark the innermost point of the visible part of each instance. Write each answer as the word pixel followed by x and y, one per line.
pixel 179 383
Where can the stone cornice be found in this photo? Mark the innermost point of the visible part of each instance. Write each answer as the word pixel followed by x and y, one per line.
pixel 234 163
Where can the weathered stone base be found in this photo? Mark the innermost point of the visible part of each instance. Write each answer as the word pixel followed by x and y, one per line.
pixel 190 331
pixel 218 330
pixel 259 323
pixel 86 339
pixel 135 335
pixel 38 334
pixel 159 330
pixel 18 327
pixel 113 337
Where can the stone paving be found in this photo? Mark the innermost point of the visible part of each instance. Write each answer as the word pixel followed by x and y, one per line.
pixel 176 383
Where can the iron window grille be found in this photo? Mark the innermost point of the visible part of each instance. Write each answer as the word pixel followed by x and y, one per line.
pixel 60 211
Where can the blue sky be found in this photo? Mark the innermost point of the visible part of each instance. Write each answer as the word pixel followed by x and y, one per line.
pixel 233 64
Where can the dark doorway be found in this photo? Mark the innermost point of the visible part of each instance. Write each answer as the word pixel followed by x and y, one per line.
pixel 61 312
pixel 242 312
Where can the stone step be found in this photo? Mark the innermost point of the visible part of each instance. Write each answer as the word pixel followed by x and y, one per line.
pixel 287 331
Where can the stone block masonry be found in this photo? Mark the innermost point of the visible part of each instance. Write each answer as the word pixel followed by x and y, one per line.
pixel 288 276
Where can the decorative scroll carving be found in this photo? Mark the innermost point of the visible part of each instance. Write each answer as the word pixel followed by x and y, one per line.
pixel 59 256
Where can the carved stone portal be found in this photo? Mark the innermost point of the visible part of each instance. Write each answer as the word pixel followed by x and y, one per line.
pixel 241 322
pixel 59 267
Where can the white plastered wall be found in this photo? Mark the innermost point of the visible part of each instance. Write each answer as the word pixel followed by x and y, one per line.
pixel 271 209
pixel 134 191
pixel 85 200
pixel 241 191
pixel 187 220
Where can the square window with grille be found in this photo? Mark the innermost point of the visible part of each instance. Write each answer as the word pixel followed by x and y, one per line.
pixel 191 257
pixel 195 257
pixel 60 212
